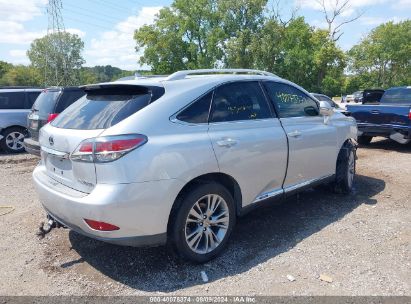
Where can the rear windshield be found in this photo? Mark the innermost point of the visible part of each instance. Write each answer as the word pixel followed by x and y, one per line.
pixel 32 96
pixel 103 108
pixel 372 96
pixel 46 101
pixel 67 98
pixel 397 95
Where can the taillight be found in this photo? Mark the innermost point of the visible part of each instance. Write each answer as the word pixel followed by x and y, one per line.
pixel 409 115
pixel 51 117
pixel 107 148
pixel 102 226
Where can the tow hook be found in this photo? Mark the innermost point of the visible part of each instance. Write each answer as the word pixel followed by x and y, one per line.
pixel 45 228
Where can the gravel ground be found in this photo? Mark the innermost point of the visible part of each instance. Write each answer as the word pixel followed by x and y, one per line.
pixel 360 241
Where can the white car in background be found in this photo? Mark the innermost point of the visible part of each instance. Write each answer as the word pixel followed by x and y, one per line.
pixel 349 98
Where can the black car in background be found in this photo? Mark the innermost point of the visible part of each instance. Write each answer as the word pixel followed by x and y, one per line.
pixel 48 105
pixel 368 96
pixel 371 96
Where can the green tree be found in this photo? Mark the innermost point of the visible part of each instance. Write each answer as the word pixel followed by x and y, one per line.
pixel 184 36
pixel 21 75
pixel 102 74
pixel 300 53
pixel 201 34
pixel 382 58
pixel 87 76
pixel 329 64
pixel 58 55
pixel 4 67
pixel 241 34
pixel 241 20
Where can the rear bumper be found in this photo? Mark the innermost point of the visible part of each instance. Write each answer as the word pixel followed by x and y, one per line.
pixel 136 241
pixel 141 210
pixel 32 146
pixel 383 130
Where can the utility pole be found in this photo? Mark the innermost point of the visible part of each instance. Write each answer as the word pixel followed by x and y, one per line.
pixel 56 68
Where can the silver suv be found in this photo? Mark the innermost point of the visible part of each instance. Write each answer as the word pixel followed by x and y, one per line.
pixel 15 104
pixel 177 159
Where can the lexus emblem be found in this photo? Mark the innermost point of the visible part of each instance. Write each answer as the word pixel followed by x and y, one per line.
pixel 51 140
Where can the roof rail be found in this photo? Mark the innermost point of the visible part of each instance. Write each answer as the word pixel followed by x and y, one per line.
pixel 182 74
pixel 134 77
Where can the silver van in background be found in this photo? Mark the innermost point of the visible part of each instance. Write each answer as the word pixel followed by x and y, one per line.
pixel 15 105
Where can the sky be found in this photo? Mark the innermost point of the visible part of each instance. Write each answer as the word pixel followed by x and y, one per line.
pixel 107 26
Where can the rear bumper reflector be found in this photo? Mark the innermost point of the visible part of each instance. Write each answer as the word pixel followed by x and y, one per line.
pixel 101 226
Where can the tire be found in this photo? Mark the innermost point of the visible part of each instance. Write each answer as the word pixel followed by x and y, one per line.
pixel 364 140
pixel 345 171
pixel 197 239
pixel 13 140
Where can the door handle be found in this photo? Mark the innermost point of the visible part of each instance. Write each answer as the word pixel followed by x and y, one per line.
pixel 226 142
pixel 294 134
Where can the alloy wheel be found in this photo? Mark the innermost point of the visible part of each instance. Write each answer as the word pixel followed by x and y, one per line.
pixel 207 224
pixel 14 141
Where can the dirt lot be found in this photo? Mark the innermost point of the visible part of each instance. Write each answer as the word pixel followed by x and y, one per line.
pixel 361 241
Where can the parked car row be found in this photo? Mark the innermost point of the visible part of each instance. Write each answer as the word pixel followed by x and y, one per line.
pixel 390 118
pixel 47 107
pixel 24 110
pixel 380 113
pixel 15 105
pixel 364 97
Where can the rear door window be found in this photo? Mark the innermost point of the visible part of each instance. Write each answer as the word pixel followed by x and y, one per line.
pixel 12 100
pixel 67 98
pixel 46 102
pixel 239 101
pixel 103 108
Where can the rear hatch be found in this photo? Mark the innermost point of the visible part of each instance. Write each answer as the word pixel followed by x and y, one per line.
pixel 42 107
pixel 101 108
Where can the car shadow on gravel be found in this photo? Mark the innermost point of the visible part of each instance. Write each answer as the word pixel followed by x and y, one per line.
pixel 387 144
pixel 259 236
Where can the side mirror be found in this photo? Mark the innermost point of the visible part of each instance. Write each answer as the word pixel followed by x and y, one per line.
pixel 326 110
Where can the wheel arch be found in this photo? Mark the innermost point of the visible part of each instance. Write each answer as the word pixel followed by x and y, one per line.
pixel 341 183
pixel 224 179
pixel 348 141
pixel 3 130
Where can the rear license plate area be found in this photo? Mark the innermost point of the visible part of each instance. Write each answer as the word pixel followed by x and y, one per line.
pixel 59 166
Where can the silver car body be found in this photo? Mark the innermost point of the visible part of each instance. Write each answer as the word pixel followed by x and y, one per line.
pixel 265 158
